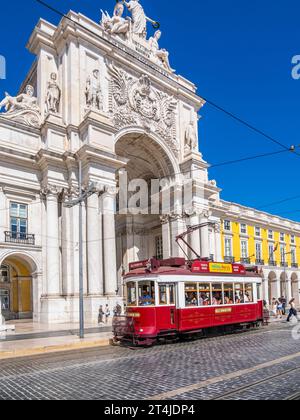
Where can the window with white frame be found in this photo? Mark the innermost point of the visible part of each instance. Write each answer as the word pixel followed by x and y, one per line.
pixel 293 255
pixel 258 251
pixel 244 249
pixel 282 236
pixel 270 234
pixel 271 252
pixel 227 225
pixel 228 247
pixel 292 239
pixel 243 228
pixel 257 231
pixel 18 220
pixel 282 253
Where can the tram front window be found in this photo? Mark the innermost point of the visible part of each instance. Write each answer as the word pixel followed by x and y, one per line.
pixel 249 293
pixel 146 293
pixel 131 294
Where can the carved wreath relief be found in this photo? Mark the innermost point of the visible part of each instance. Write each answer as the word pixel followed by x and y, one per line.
pixel 136 102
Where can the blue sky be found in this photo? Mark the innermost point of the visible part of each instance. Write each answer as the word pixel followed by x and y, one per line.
pixel 239 54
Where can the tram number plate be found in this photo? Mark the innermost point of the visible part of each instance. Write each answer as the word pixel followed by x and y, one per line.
pixel 224 311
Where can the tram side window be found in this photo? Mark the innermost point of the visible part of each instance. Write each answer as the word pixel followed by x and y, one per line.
pixel 204 294
pixel 146 293
pixel 163 294
pixel 191 294
pixel 239 293
pixel 228 294
pixel 172 294
pixel 259 291
pixel 131 294
pixel 249 293
pixel 217 294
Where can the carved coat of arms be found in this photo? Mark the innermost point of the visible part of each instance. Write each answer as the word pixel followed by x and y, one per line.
pixel 135 102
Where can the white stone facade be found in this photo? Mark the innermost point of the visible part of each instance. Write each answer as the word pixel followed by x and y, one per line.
pixel 105 96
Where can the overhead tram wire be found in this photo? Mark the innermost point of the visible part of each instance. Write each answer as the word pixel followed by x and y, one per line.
pixel 291 149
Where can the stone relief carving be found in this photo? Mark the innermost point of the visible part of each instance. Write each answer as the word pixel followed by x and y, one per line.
pixel 53 95
pixel 133 30
pixel 136 102
pixel 190 138
pixel 22 108
pixel 93 92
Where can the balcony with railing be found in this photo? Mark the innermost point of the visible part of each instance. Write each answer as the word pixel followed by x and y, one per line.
pixel 284 264
pixel 229 260
pixel 259 261
pixel 19 238
pixel 245 260
pixel 295 265
pixel 272 263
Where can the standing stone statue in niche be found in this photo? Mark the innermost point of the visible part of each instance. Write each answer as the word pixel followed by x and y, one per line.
pixel 53 95
pixel 161 55
pixel 93 92
pixel 139 20
pixel 190 138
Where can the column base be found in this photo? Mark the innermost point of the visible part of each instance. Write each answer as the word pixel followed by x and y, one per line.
pixel 66 309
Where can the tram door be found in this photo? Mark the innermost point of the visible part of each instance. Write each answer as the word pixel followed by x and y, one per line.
pixel 167 314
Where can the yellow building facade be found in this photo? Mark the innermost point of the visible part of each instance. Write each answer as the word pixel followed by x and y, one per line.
pixel 251 237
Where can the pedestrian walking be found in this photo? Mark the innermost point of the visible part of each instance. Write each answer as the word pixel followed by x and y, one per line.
pixel 279 309
pixel 274 307
pixel 283 301
pixel 107 313
pixel 293 310
pixel 100 315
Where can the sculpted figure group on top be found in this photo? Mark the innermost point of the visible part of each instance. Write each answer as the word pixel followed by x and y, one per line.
pixel 136 25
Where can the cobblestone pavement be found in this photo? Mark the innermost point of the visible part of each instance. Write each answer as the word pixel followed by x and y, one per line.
pixel 254 365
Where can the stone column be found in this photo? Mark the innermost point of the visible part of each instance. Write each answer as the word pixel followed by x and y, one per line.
pixel 205 251
pixel 37 291
pixel 94 246
pixel 288 288
pixel 109 242
pixel 166 237
pixel 53 243
pixel 177 226
pixel 195 236
pixel 4 225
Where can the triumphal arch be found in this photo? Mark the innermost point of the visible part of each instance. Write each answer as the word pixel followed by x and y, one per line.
pixel 104 94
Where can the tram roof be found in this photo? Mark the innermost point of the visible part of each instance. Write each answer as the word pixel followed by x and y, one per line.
pixel 179 266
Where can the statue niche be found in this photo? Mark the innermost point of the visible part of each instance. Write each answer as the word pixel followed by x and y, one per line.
pixel 53 95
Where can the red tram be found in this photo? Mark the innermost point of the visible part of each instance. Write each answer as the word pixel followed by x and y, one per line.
pixel 173 298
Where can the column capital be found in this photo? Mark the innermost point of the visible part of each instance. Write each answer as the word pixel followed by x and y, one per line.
pixel 51 190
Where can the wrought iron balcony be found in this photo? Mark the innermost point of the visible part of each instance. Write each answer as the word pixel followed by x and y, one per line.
pixel 272 263
pixel 245 260
pixel 295 265
pixel 283 264
pixel 229 260
pixel 19 238
pixel 259 262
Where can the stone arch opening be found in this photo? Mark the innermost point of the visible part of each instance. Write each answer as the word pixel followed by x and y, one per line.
pixel 140 235
pixel 273 289
pixel 295 288
pixel 16 286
